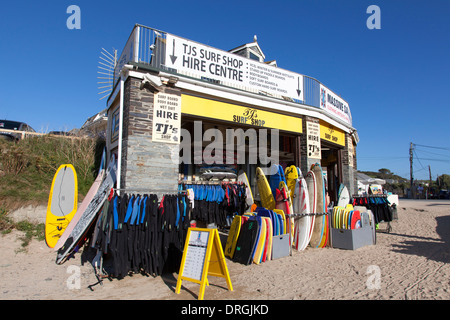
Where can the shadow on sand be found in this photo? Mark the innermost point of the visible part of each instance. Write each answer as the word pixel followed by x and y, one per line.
pixel 437 249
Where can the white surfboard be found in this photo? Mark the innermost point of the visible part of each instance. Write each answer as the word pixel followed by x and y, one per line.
pixel 242 177
pixel 302 234
pixel 344 197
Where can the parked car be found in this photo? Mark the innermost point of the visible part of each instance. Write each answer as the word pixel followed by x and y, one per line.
pixel 13 125
pixel 61 133
pixel 443 194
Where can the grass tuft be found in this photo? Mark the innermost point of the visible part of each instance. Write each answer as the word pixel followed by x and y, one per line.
pixel 27 168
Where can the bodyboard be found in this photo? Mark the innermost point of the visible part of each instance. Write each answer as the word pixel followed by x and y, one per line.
pixel 261 241
pixel 270 238
pixel 355 222
pixel 246 242
pixel 233 235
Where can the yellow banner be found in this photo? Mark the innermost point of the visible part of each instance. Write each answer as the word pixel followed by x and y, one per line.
pixel 239 114
pixel 331 133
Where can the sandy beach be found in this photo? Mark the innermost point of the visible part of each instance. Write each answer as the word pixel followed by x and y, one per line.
pixel 410 262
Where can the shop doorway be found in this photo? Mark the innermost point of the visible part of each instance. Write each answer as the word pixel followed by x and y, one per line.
pixel 332 167
pixel 203 164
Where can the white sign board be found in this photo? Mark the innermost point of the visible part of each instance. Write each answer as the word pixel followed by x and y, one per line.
pixel 166 118
pixel 350 150
pixel 195 255
pixel 199 60
pixel 313 140
pixel 334 105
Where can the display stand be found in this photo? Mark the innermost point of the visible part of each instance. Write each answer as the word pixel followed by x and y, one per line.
pixel 295 215
pixel 384 197
pixel 202 256
pixel 351 239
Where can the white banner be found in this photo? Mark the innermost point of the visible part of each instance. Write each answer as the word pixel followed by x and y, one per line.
pixel 166 118
pixel 200 60
pixel 334 104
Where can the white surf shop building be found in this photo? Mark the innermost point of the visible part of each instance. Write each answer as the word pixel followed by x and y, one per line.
pixel 181 110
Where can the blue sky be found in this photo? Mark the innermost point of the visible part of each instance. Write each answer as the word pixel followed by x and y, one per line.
pixel 395 79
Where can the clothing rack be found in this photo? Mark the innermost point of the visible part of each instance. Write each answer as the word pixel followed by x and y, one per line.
pixel 378 216
pixel 370 196
pixel 294 215
pixel 140 234
pixel 146 190
pixel 201 182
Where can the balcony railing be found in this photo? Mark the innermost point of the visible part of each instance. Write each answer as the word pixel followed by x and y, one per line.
pixel 148 46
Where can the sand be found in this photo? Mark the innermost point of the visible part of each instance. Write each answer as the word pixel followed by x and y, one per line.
pixel 410 262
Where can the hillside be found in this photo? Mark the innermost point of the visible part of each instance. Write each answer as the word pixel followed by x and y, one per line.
pixel 27 167
pixel 384 174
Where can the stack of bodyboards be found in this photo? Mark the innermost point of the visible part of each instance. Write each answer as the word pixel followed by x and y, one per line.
pixel 251 235
pixel 348 218
pixel 290 204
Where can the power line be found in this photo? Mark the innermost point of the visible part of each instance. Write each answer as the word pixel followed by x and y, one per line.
pixel 418 159
pixel 382 158
pixel 421 145
pixel 437 154
pixel 441 160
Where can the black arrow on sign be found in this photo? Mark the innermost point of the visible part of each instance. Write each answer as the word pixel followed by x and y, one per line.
pixel 173 57
pixel 298 90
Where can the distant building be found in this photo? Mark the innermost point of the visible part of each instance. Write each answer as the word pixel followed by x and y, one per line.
pixel 95 126
pixel 364 182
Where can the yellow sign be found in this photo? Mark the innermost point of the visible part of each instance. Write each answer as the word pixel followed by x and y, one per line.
pixel 239 114
pixel 202 256
pixel 330 133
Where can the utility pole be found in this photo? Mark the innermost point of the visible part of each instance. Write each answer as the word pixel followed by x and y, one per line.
pixel 429 170
pixel 411 168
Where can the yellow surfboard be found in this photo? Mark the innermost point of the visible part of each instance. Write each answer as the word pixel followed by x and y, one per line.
pixel 291 174
pixel 265 193
pixel 62 203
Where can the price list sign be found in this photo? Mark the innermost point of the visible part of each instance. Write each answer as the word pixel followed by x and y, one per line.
pixel 195 255
pixel 202 256
pixel 166 118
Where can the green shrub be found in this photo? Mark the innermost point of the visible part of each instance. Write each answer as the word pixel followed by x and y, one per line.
pixel 27 167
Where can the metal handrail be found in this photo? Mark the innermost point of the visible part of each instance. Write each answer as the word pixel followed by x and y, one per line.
pixel 147 46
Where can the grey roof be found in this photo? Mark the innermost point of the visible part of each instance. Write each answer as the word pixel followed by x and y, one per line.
pixel 365 179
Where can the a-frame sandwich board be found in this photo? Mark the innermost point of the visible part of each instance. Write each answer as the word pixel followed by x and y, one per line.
pixel 202 257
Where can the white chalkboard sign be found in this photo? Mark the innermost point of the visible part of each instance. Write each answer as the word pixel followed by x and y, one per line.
pixel 195 254
pixel 202 256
